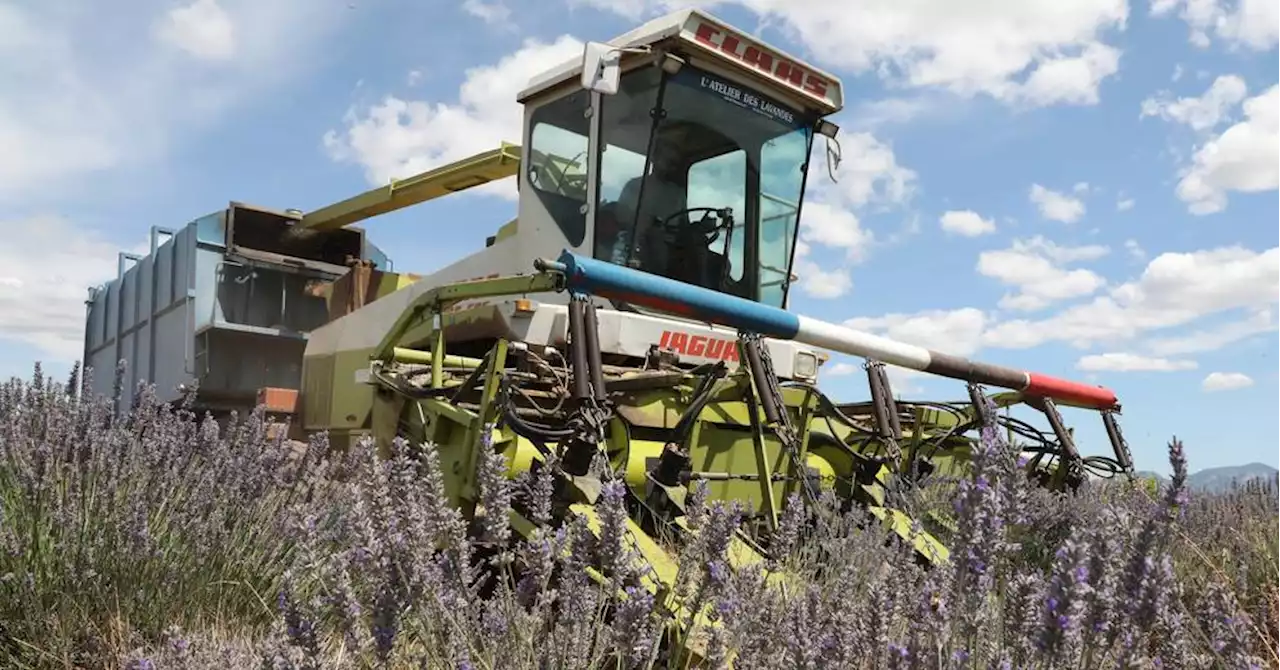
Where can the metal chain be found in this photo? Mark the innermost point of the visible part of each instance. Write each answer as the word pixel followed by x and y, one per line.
pixel 786 431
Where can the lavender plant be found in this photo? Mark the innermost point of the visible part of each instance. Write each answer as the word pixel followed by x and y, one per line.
pixel 160 539
pixel 113 528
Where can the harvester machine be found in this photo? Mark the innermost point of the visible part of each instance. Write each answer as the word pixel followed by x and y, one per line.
pixel 631 323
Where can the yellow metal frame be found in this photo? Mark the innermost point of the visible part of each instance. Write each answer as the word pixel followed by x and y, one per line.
pixel 460 175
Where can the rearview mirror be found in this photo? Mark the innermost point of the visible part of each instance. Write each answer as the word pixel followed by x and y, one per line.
pixel 600 67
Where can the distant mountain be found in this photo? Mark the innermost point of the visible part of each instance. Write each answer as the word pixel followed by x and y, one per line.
pixel 1219 479
pixel 1147 474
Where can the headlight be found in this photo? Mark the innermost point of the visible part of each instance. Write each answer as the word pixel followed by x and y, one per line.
pixel 806 365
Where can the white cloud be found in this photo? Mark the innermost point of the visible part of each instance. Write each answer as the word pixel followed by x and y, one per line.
pixel 1216 337
pixel 830 227
pixel 53 121
pixel 868 174
pixel 202 29
pixel 1122 362
pixel 1059 254
pixel 1056 206
pixel 1035 268
pixel 1135 250
pixel 1252 24
pixel 1070 80
pixel 1175 289
pixel 1019 51
pixel 1244 158
pixel 1124 204
pixel 834 227
pixel 73 104
pixel 842 369
pixel 1200 113
pixel 1225 381
pixel 494 13
pixel 967 223
pixel 397 138
pixel 46 268
pixel 822 284
pixel 872 114
pixel 634 10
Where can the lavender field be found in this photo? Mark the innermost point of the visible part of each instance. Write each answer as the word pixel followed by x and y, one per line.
pixel 161 541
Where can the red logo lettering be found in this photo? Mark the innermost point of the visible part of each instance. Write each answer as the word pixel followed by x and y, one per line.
pixel 706 34
pixel 816 85
pixel 758 58
pixel 700 346
pixel 789 71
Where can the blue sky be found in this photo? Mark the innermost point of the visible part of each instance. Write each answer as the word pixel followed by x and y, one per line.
pixel 1086 189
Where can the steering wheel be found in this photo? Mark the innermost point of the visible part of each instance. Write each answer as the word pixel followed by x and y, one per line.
pixel 708 227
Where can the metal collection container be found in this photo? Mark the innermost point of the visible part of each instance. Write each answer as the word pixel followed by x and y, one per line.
pixel 224 303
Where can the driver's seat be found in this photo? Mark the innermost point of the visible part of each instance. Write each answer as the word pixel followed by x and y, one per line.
pixel 697 265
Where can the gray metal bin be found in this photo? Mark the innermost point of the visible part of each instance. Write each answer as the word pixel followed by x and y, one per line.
pixel 224 303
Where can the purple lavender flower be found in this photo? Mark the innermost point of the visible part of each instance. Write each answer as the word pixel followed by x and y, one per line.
pixel 495 492
pixel 784 539
pixel 1065 603
pixel 1226 627
pixel 369 558
pixel 613 550
pixel 634 626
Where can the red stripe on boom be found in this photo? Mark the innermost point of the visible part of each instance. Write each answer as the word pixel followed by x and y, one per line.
pixel 651 302
pixel 1096 397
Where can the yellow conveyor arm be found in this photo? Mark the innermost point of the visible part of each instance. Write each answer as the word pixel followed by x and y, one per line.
pixel 460 175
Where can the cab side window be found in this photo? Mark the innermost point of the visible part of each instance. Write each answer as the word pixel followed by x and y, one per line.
pixel 557 166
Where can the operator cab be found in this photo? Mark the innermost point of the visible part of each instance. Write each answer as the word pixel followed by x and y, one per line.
pixel 693 211
pixel 699 156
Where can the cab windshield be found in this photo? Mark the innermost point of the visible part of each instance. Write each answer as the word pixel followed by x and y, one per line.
pixel 701 181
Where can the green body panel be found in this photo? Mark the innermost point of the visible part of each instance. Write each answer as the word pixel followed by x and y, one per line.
pixel 332 398
pixel 408 329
